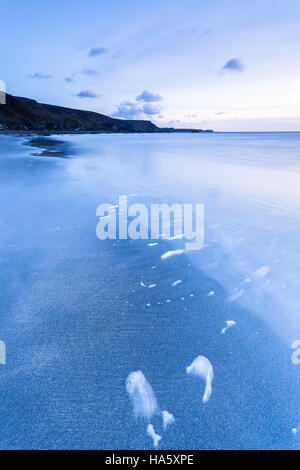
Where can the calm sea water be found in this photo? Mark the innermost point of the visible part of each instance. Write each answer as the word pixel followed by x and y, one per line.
pixel 76 320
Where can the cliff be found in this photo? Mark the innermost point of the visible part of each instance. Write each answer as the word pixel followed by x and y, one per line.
pixel 23 114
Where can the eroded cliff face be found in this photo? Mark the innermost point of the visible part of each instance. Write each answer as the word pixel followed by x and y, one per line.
pixel 22 114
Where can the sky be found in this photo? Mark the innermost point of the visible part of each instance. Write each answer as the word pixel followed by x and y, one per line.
pixel 227 65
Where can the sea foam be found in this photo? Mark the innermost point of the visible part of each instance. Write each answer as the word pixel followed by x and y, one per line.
pixel 202 367
pixel 262 272
pixel 142 396
pixel 168 254
pixel 175 283
pixel 156 437
pixel 229 324
pixel 168 418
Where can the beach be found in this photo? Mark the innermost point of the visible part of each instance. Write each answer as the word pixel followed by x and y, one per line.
pixel 78 315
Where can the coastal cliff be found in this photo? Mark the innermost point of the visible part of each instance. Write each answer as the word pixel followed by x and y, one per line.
pixel 23 114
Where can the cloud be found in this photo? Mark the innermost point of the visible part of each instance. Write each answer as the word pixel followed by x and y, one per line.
pixel 69 79
pixel 151 109
pixel 194 30
pixel 90 72
pixel 145 105
pixel 148 97
pixel 220 113
pixel 87 94
pixel 233 65
pixel 131 110
pixel 127 110
pixel 95 51
pixel 39 76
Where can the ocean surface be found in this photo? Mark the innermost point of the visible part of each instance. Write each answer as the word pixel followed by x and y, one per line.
pixel 94 356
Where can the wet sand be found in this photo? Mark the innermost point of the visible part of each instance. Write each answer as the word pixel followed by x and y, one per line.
pixel 77 321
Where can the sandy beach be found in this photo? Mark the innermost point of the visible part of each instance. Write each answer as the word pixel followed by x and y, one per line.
pixel 78 316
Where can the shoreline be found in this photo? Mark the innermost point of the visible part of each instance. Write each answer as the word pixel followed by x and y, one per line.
pixel 22 132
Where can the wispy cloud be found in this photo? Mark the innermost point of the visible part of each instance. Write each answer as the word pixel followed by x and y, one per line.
pixel 87 94
pixel 233 65
pixel 195 29
pixel 69 79
pixel 90 72
pixel 148 97
pixel 39 76
pixel 96 51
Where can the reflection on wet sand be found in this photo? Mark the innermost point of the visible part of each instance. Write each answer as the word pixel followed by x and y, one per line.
pixel 50 147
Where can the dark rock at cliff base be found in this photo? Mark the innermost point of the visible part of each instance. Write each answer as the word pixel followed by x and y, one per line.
pixel 23 114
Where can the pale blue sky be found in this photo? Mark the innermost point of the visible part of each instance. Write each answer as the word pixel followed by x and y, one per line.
pixel 221 64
